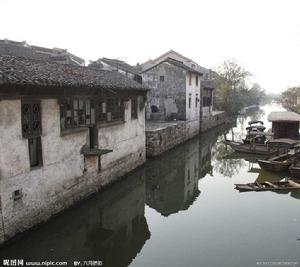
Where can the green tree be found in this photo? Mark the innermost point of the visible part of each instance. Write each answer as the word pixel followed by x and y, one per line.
pixel 232 92
pixel 231 86
pixel 290 99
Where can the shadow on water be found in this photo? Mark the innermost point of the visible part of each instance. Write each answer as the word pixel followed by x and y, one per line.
pixel 110 227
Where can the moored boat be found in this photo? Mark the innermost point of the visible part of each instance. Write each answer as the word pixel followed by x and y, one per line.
pixel 262 149
pixel 252 146
pixel 288 151
pixel 268 186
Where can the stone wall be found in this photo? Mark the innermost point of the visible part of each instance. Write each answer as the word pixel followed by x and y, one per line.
pixel 168 95
pixel 217 118
pixel 162 137
pixel 66 175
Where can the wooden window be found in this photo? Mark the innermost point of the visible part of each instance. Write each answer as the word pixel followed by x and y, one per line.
pixel 162 78
pixel 76 112
pixel 190 78
pixel 134 105
pixel 32 129
pixel 31 118
pixel 35 152
pixel 207 97
pixel 197 80
pixel 111 110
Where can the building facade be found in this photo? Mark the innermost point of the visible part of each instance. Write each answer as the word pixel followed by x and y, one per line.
pixel 175 91
pixel 66 131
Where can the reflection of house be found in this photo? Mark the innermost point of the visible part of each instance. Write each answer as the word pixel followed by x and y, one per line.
pixel 175 84
pixel 207 140
pixel 110 227
pixel 285 124
pixel 65 131
pixel 117 65
pixel 22 49
pixel 172 181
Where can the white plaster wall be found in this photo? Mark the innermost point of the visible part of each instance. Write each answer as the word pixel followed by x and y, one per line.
pixel 124 139
pixel 62 163
pixel 206 111
pixel 14 155
pixel 61 180
pixel 192 113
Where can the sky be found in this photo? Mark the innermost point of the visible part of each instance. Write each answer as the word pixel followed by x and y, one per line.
pixel 262 35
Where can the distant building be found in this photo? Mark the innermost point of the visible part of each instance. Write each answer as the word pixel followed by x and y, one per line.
pixel 117 65
pixel 175 88
pixel 66 131
pixel 22 49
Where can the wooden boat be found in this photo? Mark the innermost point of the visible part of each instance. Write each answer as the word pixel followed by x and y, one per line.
pixel 276 164
pixel 252 148
pixel 268 186
pixel 281 161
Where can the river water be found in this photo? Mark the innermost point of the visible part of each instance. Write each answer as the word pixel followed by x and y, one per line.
pixel 180 209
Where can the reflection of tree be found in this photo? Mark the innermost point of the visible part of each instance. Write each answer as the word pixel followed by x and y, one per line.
pixel 257 115
pixel 229 166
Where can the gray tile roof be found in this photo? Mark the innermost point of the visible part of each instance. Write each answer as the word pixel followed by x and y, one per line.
pixel 175 63
pixel 24 71
pixel 118 64
pixel 287 116
pixel 22 49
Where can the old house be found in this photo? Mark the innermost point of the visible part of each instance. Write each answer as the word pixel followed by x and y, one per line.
pixel 22 49
pixel 66 131
pixel 117 65
pixel 175 85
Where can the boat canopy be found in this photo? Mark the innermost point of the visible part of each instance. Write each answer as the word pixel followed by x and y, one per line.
pixel 285 142
pixel 286 116
pixel 253 122
pixel 258 127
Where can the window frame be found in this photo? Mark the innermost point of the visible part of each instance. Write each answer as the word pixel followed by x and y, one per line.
pixel 38 152
pixel 75 112
pixel 114 106
pixel 31 121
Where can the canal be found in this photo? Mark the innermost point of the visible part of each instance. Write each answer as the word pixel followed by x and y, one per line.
pixel 180 209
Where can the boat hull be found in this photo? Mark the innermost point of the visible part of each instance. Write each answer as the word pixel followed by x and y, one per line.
pixel 273 166
pixel 267 186
pixel 260 149
pixel 295 171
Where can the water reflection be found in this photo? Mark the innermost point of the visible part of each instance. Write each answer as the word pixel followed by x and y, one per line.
pixel 172 181
pixel 110 227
